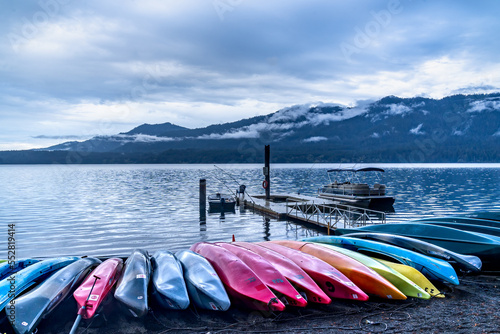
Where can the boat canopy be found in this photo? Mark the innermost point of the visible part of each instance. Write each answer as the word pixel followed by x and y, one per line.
pixel 355 170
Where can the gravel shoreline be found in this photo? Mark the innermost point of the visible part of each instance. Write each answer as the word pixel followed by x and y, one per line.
pixel 471 307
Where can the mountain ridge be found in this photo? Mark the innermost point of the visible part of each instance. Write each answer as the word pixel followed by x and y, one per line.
pixel 456 128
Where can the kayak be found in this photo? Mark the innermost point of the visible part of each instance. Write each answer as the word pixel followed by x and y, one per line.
pixel 271 277
pixel 415 276
pixel 495 231
pixel 7 269
pixel 108 273
pixel 485 215
pixel 293 273
pixel 169 288
pixel 463 262
pixel 487 248
pixel 242 283
pixel 429 266
pixel 36 304
pixel 365 278
pixel 330 279
pixel 405 285
pixel 132 286
pixel 204 286
pixel 460 220
pixel 15 284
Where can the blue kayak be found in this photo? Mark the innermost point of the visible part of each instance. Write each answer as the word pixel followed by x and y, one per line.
pixel 463 262
pixel 7 269
pixel 204 285
pixel 169 288
pixel 15 284
pixel 429 266
pixel 36 304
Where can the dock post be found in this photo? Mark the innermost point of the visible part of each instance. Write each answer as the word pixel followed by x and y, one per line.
pixel 267 174
pixel 203 201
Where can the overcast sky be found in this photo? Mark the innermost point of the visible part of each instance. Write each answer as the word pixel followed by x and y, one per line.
pixel 70 69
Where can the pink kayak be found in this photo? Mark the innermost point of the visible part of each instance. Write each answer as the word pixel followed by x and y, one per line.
pixel 108 273
pixel 331 280
pixel 291 271
pixel 268 274
pixel 242 284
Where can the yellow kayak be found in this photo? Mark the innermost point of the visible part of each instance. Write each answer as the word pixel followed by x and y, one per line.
pixel 414 275
pixel 404 284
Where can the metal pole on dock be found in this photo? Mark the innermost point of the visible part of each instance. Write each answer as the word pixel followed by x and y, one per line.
pixel 267 174
pixel 203 200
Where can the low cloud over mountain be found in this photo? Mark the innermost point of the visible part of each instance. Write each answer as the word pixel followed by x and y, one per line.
pixel 452 129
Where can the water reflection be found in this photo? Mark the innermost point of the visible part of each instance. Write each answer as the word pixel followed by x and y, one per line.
pixel 111 209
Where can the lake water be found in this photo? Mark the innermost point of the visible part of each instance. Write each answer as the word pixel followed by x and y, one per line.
pixel 112 209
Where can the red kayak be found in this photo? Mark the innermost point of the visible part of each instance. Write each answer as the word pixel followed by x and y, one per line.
pixel 291 271
pixel 268 274
pixel 108 273
pixel 242 284
pixel 331 280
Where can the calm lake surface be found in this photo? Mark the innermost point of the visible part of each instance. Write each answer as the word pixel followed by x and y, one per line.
pixel 112 209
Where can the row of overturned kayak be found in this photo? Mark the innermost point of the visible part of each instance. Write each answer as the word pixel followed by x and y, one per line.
pixel 266 276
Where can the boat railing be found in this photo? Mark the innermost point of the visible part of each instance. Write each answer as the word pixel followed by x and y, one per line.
pixel 332 216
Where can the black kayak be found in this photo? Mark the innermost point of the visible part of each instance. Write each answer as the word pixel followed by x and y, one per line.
pixel 132 287
pixel 33 306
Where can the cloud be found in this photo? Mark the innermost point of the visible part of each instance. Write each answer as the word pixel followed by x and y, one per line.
pixel 398 109
pixel 480 106
pixel 298 116
pixel 417 130
pixel 315 139
pixel 70 62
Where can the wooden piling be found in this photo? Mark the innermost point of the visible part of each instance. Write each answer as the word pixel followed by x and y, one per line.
pixel 203 200
pixel 267 171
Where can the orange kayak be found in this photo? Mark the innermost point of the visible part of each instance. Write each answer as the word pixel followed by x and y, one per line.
pixel 298 277
pixel 365 278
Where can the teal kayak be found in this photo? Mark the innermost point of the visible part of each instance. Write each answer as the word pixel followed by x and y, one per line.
pixel 487 248
pixel 495 231
pixel 429 266
pixel 459 220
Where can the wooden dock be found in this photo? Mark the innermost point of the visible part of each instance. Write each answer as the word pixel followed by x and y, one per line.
pixel 314 211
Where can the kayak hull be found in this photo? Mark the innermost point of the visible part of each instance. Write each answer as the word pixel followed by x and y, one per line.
pixel 169 288
pixel 31 307
pixel 293 273
pixel 204 286
pixel 429 266
pixel 331 280
pixel 242 284
pixel 365 278
pixel 108 273
pixel 268 274
pixel 132 286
